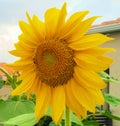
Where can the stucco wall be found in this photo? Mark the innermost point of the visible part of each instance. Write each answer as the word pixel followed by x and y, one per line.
pixel 5 92
pixel 115 71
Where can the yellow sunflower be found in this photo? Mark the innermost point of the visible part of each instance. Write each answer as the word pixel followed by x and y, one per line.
pixel 59 63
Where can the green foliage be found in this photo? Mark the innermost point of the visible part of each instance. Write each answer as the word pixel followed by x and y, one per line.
pixel 112 100
pixel 1 83
pixel 110 115
pixel 90 123
pixel 10 109
pixel 21 120
pixel 107 78
pixel 75 120
pixel 52 124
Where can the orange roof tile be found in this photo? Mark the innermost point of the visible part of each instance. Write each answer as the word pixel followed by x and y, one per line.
pixel 117 21
pixel 6 68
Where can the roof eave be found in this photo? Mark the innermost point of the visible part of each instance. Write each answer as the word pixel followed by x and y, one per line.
pixel 105 29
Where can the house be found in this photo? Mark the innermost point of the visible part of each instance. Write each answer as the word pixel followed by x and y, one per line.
pixel 112 29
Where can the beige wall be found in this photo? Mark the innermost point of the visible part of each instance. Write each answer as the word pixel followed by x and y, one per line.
pixel 115 71
pixel 5 92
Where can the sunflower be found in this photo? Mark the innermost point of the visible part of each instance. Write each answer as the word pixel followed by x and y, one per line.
pixel 59 62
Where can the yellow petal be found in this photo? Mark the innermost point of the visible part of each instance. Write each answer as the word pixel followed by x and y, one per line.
pixel 18 45
pixel 82 29
pixel 61 18
pixel 27 30
pixel 99 63
pixel 26 41
pixel 33 87
pixel 73 103
pixel 26 84
pixel 96 51
pixel 37 26
pixel 88 78
pixel 21 53
pixel 19 64
pixel 82 95
pixel 43 97
pixel 97 96
pixel 51 19
pixel 89 41
pixel 76 18
pixel 58 103
pixel 25 45
pixel 72 24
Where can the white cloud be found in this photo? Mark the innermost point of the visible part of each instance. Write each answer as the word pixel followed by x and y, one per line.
pixel 8 37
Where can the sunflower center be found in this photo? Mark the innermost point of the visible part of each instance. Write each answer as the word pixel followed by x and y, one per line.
pixel 54 62
pixel 49 58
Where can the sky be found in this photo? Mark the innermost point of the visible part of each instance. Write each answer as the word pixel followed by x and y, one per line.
pixel 11 11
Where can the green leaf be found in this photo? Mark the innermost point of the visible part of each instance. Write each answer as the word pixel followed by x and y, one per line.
pixel 103 74
pixel 91 123
pixel 52 124
pixel 75 119
pixel 22 120
pixel 10 109
pixel 107 78
pixel 112 100
pixel 110 115
pixel 1 83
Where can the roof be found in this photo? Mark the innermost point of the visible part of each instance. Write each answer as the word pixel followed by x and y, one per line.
pixel 6 68
pixel 106 27
pixel 116 21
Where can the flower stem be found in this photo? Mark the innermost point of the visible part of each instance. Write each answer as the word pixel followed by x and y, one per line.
pixel 9 77
pixel 5 72
pixel 67 121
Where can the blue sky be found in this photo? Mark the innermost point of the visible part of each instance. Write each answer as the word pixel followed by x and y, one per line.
pixel 11 11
